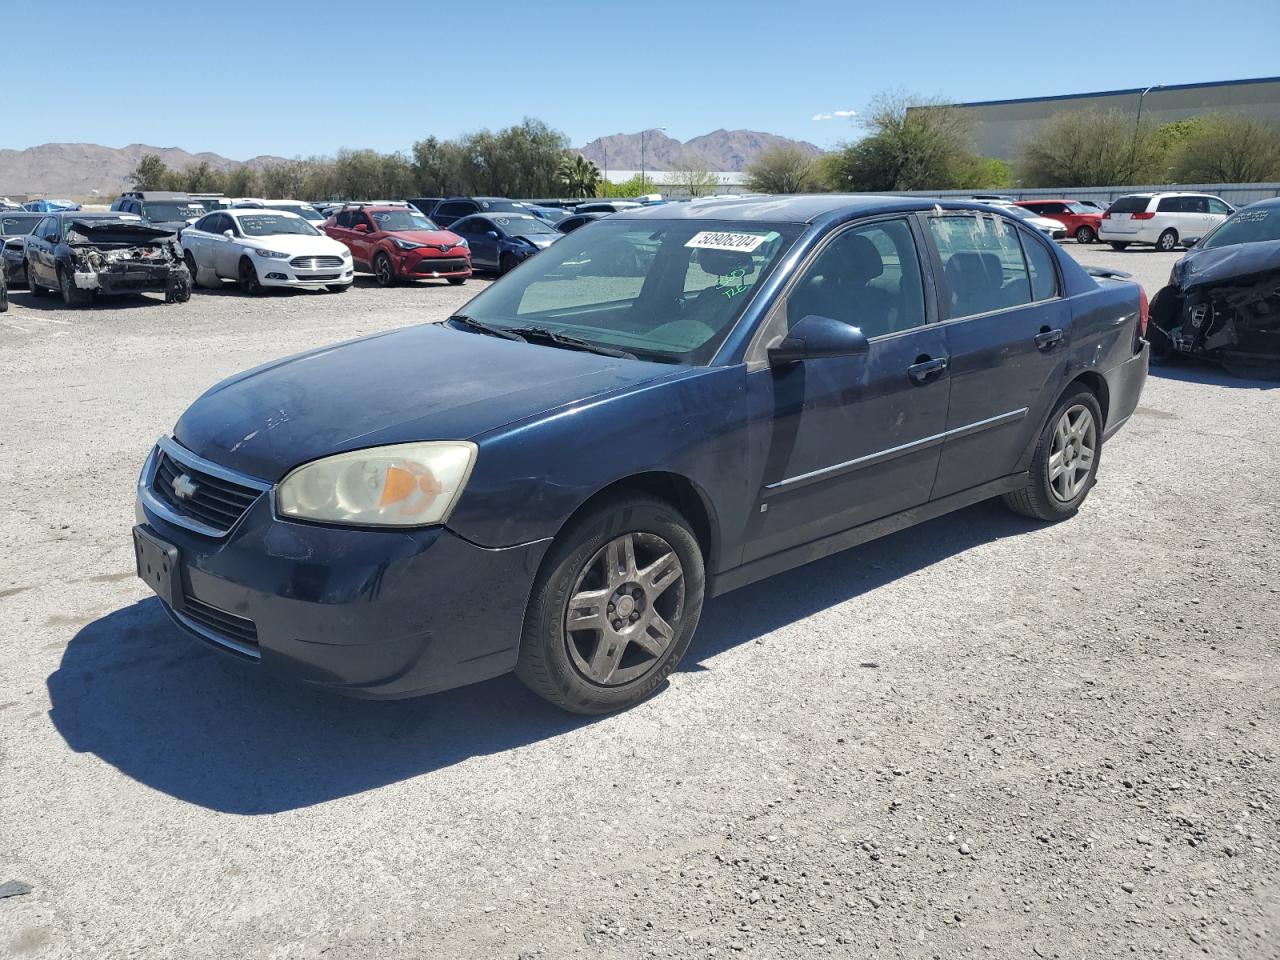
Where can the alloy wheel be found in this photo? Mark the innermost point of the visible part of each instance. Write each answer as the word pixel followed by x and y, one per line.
pixel 382 270
pixel 625 609
pixel 1084 235
pixel 1075 446
pixel 1168 241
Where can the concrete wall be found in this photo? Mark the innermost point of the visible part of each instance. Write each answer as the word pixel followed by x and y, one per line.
pixel 1000 125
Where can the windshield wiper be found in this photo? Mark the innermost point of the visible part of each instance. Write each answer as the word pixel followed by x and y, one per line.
pixel 471 324
pixel 543 335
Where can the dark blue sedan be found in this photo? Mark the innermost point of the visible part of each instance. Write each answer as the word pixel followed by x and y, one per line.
pixel 501 241
pixel 665 405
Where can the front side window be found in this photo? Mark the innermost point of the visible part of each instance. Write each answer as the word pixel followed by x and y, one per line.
pixel 273 224
pixel 666 290
pixel 1218 206
pixel 982 264
pixel 869 277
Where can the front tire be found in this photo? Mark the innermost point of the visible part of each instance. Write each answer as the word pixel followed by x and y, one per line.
pixel 1064 466
pixel 247 278
pixel 339 288
pixel 457 281
pixel 1167 241
pixel 192 269
pixel 614 607
pixel 1085 234
pixel 383 270
pixel 506 263
pixel 72 296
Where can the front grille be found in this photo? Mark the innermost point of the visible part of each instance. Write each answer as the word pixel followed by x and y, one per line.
pixel 229 625
pixel 215 502
pixel 315 263
pixel 321 277
pixel 440 265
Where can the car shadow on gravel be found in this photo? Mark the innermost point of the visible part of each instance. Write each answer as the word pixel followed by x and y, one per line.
pixel 53 301
pixel 1210 374
pixel 200 726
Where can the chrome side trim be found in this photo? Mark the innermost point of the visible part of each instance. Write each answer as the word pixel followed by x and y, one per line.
pixel 892 453
pixel 204 633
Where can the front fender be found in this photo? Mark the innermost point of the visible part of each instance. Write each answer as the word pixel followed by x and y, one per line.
pixel 531 476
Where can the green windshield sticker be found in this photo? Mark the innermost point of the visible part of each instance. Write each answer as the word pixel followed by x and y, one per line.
pixel 734 283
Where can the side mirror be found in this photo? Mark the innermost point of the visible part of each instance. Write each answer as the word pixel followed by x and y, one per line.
pixel 815 337
pixel 1190 242
pixel 229 234
pixel 361 228
pixel 491 234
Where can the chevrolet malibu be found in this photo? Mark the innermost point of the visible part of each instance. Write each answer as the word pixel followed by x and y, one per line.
pixel 665 405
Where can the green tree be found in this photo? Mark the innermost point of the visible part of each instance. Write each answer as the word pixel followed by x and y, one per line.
pixel 913 143
pixel 637 186
pixel 579 176
pixel 692 175
pixel 242 181
pixel 1093 147
pixel 150 173
pixel 782 169
pixel 982 173
pixel 1228 148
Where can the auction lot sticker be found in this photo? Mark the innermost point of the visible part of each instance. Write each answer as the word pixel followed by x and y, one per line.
pixel 715 240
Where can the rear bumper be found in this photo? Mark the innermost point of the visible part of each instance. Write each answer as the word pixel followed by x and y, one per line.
pixel 1124 389
pixel 376 614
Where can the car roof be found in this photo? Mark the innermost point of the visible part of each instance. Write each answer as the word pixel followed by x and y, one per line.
pixel 257 211
pixel 93 215
pixel 798 208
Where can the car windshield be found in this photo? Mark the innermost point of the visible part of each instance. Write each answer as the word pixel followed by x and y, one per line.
pixel 272 224
pixel 1022 213
pixel 17 226
pixel 525 226
pixel 552 214
pixel 1247 226
pixel 1081 207
pixel 509 206
pixel 170 210
pixel 667 290
pixel 393 220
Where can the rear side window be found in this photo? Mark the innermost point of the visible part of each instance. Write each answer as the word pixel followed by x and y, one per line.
pixel 1173 205
pixel 1130 205
pixel 1044 277
pixel 982 264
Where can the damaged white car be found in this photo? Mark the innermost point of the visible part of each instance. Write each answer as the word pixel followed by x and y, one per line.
pixel 83 255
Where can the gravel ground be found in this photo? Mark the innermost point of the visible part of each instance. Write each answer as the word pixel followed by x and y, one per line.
pixel 980 737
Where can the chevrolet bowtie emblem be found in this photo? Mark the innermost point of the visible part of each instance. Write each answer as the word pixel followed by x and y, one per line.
pixel 184 488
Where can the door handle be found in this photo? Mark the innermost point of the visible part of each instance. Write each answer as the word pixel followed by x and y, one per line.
pixel 925 368
pixel 1047 339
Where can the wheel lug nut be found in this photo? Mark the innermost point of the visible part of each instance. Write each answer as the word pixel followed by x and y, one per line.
pixel 611 608
pixel 637 594
pixel 635 617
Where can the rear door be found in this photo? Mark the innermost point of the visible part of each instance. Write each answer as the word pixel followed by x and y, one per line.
pixel 1007 330
pixel 852 439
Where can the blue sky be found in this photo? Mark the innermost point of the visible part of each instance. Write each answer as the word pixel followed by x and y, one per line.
pixel 293 78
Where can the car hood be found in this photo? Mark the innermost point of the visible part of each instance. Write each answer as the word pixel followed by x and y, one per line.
pixel 539 240
pixel 1239 261
pixel 427 382
pixel 434 238
pixel 296 244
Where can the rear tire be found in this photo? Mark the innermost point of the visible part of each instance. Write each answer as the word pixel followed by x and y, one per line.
pixel 192 269
pixel 35 288
pixel 613 608
pixel 4 298
pixel 1167 241
pixel 1064 466
pixel 1117 245
pixel 1085 234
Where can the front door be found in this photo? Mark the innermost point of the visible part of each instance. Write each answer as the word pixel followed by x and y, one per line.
pixel 1007 334
pixel 852 439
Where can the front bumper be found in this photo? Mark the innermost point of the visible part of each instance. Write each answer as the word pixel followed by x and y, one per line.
pixel 416 264
pixel 134 278
pixel 273 272
pixel 379 614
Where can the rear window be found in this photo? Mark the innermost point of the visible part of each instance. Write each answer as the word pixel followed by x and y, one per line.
pixel 1130 205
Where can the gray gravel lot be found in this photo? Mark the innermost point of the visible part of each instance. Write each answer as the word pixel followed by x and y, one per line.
pixel 980 737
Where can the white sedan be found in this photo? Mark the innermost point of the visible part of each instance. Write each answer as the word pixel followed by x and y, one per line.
pixel 265 248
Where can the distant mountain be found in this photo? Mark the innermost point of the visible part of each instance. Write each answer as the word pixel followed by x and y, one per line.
pixel 721 150
pixel 77 169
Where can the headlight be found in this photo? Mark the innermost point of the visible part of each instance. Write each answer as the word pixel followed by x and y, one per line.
pixel 270 254
pixel 405 485
pixel 406 244
pixel 462 243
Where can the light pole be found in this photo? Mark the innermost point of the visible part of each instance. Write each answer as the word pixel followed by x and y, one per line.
pixel 642 134
pixel 1133 150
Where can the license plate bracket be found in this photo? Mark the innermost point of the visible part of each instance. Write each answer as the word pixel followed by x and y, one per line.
pixel 157 563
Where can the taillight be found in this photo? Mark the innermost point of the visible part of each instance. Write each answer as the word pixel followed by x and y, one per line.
pixel 1106 214
pixel 1141 216
pixel 1144 312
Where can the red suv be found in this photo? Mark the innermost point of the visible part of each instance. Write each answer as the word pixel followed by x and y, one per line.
pixel 1081 220
pixel 398 243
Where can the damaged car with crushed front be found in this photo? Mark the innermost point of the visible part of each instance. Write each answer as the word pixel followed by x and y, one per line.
pixel 667 404
pixel 84 255
pixel 1222 302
